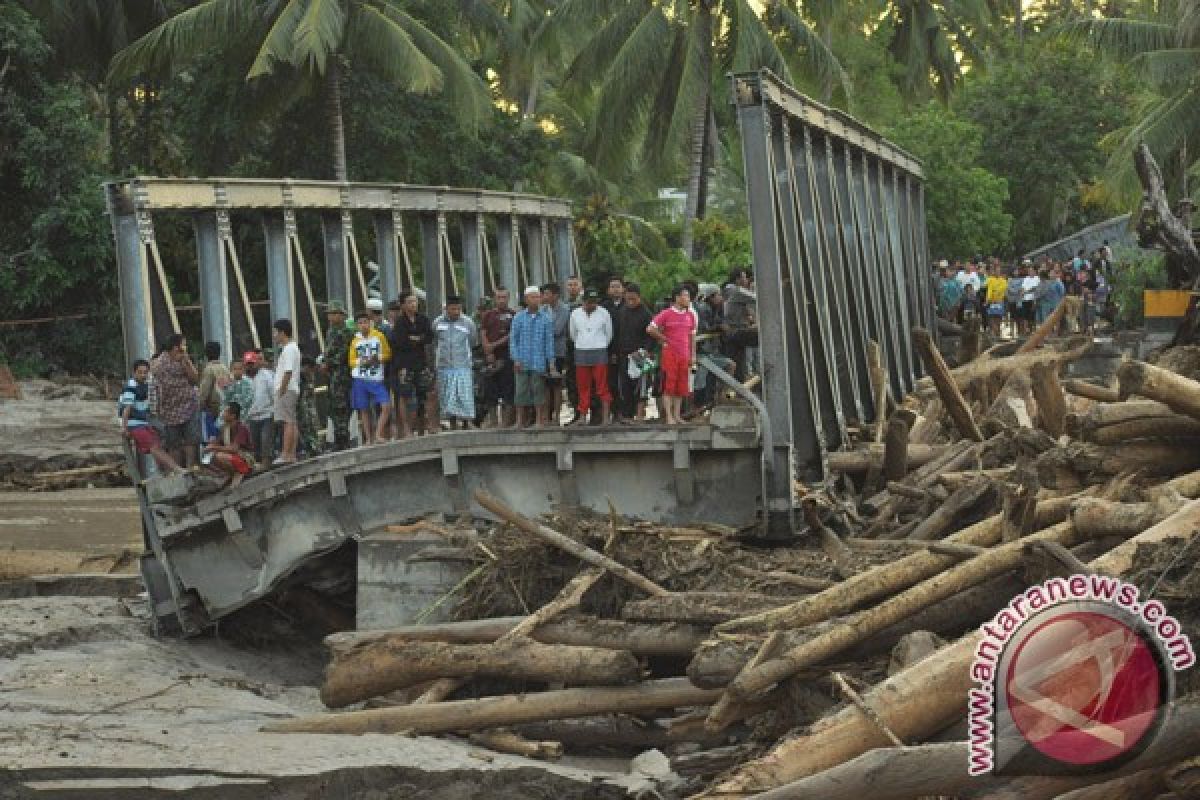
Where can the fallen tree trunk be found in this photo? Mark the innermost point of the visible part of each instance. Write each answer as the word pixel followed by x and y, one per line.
pixel 947 390
pixel 1178 393
pixel 1091 391
pixel 517 745
pixel 1105 518
pixel 383 667
pixel 504 710
pixel 1175 427
pixel 995 561
pixel 855 461
pixel 886 579
pixel 946 514
pixel 919 701
pixel 1001 368
pixel 699 607
pixel 664 639
pixel 1092 463
pixel 1048 394
pixel 1012 407
pixel 1043 331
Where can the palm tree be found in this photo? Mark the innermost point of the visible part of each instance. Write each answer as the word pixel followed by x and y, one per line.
pixel 654 65
pixel 929 36
pixel 86 35
pixel 1164 46
pixel 311 37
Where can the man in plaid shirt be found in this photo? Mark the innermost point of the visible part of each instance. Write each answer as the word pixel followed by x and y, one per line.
pixel 531 346
pixel 176 377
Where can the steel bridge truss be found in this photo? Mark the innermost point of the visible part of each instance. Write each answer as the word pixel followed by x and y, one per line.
pixel 529 236
pixel 840 257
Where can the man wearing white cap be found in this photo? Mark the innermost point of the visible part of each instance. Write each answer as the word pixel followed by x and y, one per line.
pixel 532 348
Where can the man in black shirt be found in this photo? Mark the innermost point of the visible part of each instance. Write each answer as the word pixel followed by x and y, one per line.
pixel 410 338
pixel 631 342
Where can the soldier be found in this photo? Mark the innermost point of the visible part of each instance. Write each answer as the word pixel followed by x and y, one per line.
pixel 335 364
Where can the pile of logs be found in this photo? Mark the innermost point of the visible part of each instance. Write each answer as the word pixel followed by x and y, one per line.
pixel 992 475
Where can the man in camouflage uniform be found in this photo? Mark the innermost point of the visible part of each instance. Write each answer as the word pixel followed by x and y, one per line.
pixel 335 364
pixel 306 410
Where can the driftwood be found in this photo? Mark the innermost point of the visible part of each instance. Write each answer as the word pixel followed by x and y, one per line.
pixel 1157 225
pixel 569 545
pixel 383 667
pixel 699 607
pixel 919 701
pixel 1091 391
pixel 1095 462
pixel 1175 427
pixel 1012 407
pixel 1178 393
pixel 971 341
pixel 665 639
pixel 1104 518
pixel 895 448
pixel 947 390
pixel 946 514
pixel 962 576
pixel 879 386
pixel 517 745
pixel 1020 502
pixel 1048 394
pixel 886 579
pixel 855 461
pixel 1043 331
pixel 1001 368
pixel 504 710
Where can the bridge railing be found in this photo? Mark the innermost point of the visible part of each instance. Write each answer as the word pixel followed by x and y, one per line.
pixel 840 257
pixel 504 239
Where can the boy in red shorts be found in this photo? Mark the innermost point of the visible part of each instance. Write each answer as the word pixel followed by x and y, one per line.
pixel 134 408
pixel 232 452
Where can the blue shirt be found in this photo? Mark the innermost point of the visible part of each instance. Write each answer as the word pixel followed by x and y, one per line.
pixel 135 396
pixel 532 340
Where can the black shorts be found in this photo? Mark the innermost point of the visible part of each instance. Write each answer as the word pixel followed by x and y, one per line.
pixel 560 364
pixel 1029 309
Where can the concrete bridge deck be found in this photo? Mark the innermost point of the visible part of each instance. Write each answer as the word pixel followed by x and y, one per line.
pixel 225 550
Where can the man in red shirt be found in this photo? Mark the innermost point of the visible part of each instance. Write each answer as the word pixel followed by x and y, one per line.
pixel 499 380
pixel 675 329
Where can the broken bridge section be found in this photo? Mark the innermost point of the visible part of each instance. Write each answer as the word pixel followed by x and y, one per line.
pixel 837 220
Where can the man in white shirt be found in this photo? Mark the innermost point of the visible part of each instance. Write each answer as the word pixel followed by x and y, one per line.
pixel 1029 285
pixel 287 389
pixel 591 330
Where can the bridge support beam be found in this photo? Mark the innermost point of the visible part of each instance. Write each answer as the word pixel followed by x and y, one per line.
pixel 387 252
pixel 472 247
pixel 214 282
pixel 337 262
pixel 507 232
pixel 564 251
pixel 280 291
pixel 431 260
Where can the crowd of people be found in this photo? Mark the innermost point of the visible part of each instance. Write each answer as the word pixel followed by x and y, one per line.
pixel 1013 299
pixel 559 356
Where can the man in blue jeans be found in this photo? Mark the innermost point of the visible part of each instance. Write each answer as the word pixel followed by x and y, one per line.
pixel 531 346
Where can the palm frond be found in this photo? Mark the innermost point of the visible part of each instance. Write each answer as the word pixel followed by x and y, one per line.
pixel 662 143
pixel 1124 38
pixel 753 47
pixel 460 84
pixel 1165 128
pixel 1169 67
pixel 623 97
pixel 278 45
pixel 593 60
pixel 318 35
pixel 390 51
pixel 207 26
pixel 822 63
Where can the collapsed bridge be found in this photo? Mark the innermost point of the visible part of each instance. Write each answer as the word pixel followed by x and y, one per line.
pixel 838 235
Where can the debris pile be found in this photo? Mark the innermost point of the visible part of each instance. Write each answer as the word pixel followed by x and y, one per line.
pixel 817 669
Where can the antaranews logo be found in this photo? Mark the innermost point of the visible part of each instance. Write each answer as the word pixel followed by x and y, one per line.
pixel 1074 675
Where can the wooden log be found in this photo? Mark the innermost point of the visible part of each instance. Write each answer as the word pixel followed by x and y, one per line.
pixel 970 343
pixel 1176 427
pixel 1097 462
pixel 895 449
pixel 504 710
pixel 383 667
pixel 802 582
pixel 1091 391
pixel 1048 394
pixel 956 506
pixel 879 387
pixel 1043 331
pixel 858 461
pixel 923 699
pixel 569 545
pixel 699 607
pixel 724 708
pixel 517 745
pixel 1013 406
pixel 1105 518
pixel 999 559
pixel 959 456
pixel 665 639
pixel 1001 368
pixel 711 762
pixel 956 480
pixel 1020 502
pixel 909 492
pixel 1178 393
pixel 947 390
pixel 885 579
pixel 1104 414
pixel 831 543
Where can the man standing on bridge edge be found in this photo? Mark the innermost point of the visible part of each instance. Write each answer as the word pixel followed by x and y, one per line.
pixel 532 349
pixel 455 334
pixel 336 366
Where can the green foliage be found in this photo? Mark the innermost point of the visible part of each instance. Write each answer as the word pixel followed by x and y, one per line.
pixel 1043 114
pixel 964 202
pixel 722 247
pixel 55 248
pixel 1135 272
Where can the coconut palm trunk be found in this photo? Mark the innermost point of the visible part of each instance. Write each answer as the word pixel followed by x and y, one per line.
pixel 693 207
pixel 333 114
